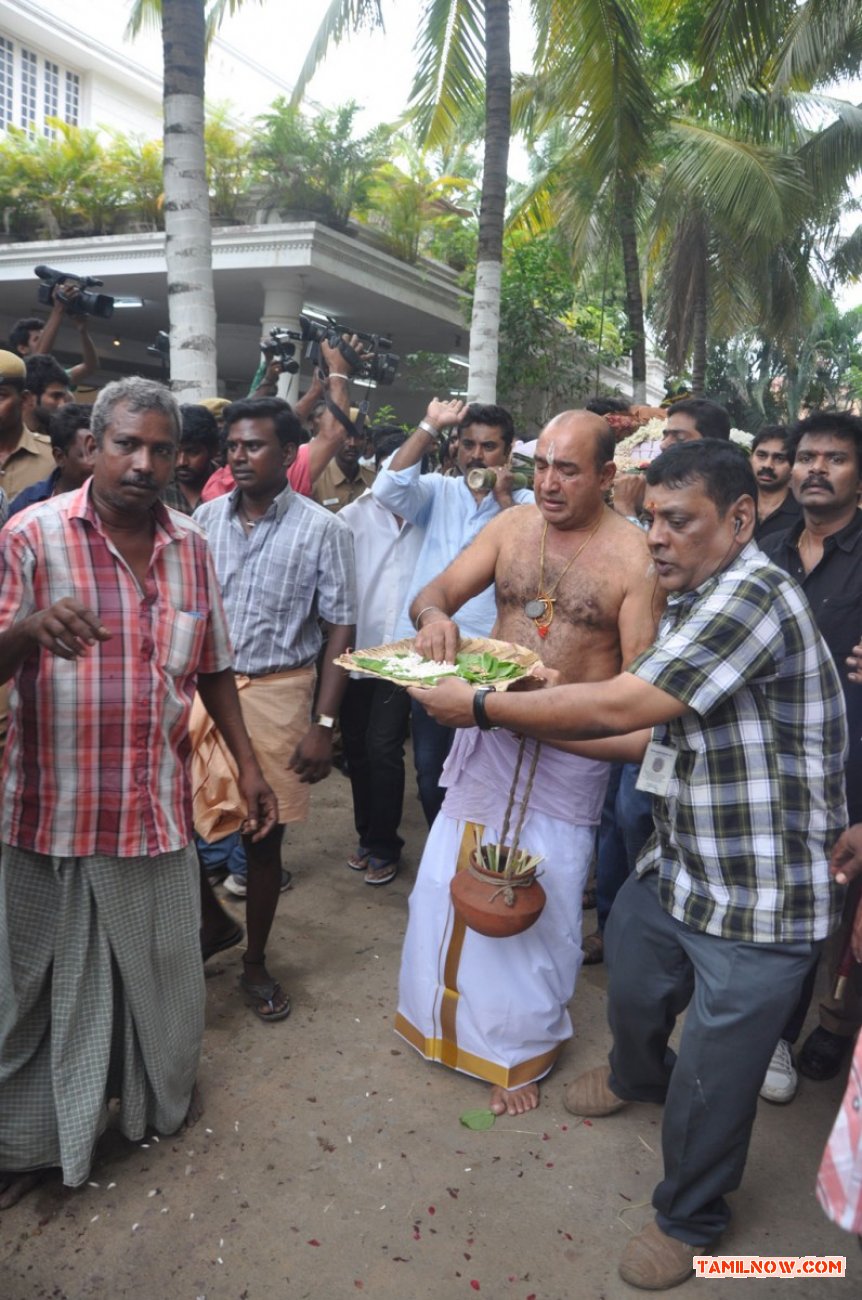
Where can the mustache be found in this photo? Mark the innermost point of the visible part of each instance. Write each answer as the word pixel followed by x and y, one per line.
pixel 814 481
pixel 767 473
pixel 142 481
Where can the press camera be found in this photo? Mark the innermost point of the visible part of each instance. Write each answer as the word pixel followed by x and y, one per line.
pixel 84 303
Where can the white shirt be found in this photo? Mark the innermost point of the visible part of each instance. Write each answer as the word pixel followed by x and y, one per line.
pixel 386 558
pixel 451 517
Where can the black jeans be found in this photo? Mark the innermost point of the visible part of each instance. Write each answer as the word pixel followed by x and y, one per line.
pixel 374 718
pixel 431 745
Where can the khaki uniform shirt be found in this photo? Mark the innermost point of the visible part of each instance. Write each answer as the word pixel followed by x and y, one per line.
pixel 334 491
pixel 31 461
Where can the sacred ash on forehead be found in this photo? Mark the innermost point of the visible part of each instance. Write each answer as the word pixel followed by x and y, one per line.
pixel 549 457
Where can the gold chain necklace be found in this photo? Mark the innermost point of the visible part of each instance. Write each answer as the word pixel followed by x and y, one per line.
pixel 541 610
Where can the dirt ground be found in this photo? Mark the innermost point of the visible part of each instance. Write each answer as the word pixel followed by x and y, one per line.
pixel 330 1161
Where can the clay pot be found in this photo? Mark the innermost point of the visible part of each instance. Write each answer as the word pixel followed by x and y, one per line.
pixel 485 904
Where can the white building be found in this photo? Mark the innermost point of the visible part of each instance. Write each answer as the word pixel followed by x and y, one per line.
pixel 73 63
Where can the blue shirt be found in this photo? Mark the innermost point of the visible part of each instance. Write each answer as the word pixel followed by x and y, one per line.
pixel 40 491
pixel 280 578
pixel 448 511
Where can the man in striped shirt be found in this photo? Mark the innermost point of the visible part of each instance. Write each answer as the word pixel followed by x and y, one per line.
pixel 285 565
pixel 109 617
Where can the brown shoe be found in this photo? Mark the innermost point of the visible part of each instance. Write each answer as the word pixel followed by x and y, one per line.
pixel 590 1095
pixel 653 1261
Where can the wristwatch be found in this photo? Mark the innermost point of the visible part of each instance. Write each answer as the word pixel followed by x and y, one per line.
pixel 483 722
pixel 323 720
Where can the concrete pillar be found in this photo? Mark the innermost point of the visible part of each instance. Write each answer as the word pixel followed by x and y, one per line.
pixel 283 301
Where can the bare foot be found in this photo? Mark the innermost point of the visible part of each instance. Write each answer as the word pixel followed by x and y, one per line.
pixel 196 1107
pixel 15 1186
pixel 514 1101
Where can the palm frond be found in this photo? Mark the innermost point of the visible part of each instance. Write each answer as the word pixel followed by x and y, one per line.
pixel 752 189
pixel 340 19
pixel 450 61
pixel 221 9
pixel 846 261
pixel 738 36
pixel 595 73
pixel 822 42
pixel 145 14
pixel 832 157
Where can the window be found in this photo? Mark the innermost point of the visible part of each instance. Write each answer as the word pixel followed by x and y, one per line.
pixel 7 63
pixel 39 87
pixel 73 98
pixel 51 96
pixel 29 82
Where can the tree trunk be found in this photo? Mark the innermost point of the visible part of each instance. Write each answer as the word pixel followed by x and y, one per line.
pixel 188 237
pixel 699 331
pixel 485 324
pixel 628 232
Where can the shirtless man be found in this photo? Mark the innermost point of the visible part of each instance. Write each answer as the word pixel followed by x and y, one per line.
pixel 572 583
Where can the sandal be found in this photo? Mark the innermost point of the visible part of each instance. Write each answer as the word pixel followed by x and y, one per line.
pixel 268 1001
pixel 380 872
pixel 358 861
pixel 229 941
pixel 593 948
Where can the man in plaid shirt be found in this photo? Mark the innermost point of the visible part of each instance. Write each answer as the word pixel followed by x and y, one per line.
pixel 110 615
pixel 732 898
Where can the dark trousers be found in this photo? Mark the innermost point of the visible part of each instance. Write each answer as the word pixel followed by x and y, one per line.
pixel 431 744
pixel 738 996
pixel 625 827
pixel 374 717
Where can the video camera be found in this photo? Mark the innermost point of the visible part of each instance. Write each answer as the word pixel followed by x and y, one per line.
pixel 282 348
pixel 84 304
pixel 379 365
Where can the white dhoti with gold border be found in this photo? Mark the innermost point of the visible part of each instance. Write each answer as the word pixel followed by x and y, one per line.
pixel 498 1008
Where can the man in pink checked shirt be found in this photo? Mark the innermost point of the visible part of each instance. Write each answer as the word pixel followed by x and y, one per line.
pixel 110 617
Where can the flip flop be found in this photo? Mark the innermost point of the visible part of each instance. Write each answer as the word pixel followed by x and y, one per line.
pixel 358 861
pixel 593 947
pixel 270 995
pixel 229 941
pixel 380 872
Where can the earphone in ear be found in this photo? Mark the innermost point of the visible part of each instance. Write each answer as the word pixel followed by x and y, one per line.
pixel 737 524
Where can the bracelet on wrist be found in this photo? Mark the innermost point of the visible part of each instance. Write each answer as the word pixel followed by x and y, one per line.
pixel 427 610
pixel 436 434
pixel 480 716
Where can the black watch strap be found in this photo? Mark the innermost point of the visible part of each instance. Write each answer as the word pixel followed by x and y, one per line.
pixel 483 722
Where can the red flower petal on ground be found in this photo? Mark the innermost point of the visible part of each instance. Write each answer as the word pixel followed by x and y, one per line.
pixel 431 1209
pixel 475 1285
pixel 313 1242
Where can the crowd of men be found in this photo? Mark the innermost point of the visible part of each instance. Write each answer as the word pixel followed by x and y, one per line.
pixel 176 584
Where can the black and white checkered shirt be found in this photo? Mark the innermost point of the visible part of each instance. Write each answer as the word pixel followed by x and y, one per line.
pixel 756 800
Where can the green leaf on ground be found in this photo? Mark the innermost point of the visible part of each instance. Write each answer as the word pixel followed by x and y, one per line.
pixel 478 1120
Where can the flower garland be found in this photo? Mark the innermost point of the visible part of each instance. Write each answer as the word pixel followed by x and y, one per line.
pixel 642 446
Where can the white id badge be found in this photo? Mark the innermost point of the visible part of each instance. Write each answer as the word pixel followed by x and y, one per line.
pixel 656 769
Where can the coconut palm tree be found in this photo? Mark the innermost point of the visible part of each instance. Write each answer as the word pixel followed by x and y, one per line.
pixel 462 54
pixel 188 236
pixel 726 174
pixel 463 58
